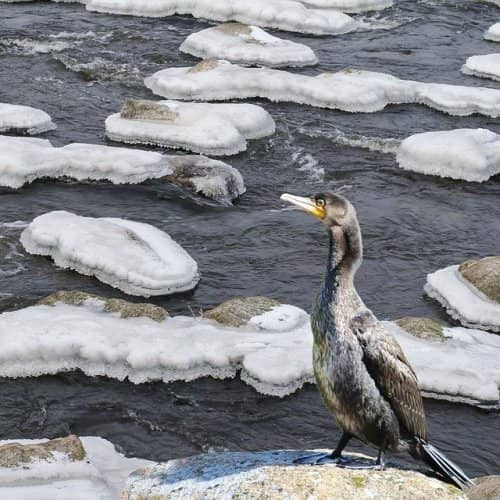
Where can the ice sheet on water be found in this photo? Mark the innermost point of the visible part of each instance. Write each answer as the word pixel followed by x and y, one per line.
pixel 24 119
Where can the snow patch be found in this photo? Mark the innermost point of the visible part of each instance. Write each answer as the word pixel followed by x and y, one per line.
pixel 469 154
pixel 487 66
pixel 251 45
pixel 134 257
pixel 347 90
pixel 493 33
pixel 216 129
pixel 24 119
pixel 462 300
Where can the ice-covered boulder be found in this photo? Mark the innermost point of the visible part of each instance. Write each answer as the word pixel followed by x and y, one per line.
pixel 493 33
pixel 77 468
pixel 23 160
pixel 136 258
pixel 288 15
pixel 273 475
pixel 469 292
pixel 242 44
pixel 271 351
pixel 487 66
pixel 350 6
pixel 468 154
pixel 215 129
pixel 347 90
pixel 24 119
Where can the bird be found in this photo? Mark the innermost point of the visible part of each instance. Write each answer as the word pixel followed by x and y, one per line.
pixel 361 372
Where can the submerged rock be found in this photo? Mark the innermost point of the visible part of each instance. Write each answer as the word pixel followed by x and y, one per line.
pixel 238 311
pixel 123 308
pixel 484 274
pixel 486 488
pixel 424 328
pixel 272 475
pixel 16 454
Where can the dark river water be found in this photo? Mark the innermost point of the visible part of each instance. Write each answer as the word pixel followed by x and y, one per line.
pixel 79 67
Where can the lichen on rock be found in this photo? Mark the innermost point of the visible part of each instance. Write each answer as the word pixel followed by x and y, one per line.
pixel 483 274
pixel 17 454
pixel 142 109
pixel 424 328
pixel 122 307
pixel 272 475
pixel 238 311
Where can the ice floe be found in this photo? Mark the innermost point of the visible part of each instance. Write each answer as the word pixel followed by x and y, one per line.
pixel 134 257
pixel 347 90
pixel 215 129
pixel 462 300
pixel 23 160
pixel 286 15
pixel 51 473
pixel 468 154
pixel 487 66
pixel 272 351
pixel 242 44
pixel 493 33
pixel 24 119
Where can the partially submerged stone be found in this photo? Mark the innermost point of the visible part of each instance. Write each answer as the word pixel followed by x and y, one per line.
pixel 18 454
pixel 238 311
pixel 123 308
pixel 485 488
pixel 484 274
pixel 271 475
pixel 242 44
pixel 142 109
pixel 424 328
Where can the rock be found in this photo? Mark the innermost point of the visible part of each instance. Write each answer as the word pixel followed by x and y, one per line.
pixel 142 109
pixel 205 65
pixel 486 488
pixel 424 328
pixel 484 274
pixel 272 475
pixel 122 307
pixel 16 454
pixel 238 311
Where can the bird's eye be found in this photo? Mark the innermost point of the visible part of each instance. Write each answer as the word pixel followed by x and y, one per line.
pixel 320 202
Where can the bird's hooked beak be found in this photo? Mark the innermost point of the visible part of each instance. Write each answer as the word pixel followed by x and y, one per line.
pixel 309 205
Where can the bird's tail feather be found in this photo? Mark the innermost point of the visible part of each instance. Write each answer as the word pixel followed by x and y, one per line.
pixel 440 463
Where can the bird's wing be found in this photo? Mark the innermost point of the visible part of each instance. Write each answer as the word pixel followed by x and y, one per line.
pixel 391 371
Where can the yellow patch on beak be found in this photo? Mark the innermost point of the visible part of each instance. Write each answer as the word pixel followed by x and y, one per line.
pixel 307 204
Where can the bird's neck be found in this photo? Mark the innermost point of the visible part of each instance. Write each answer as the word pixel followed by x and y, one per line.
pixel 338 297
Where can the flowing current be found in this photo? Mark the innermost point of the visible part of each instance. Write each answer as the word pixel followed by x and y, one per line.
pixel 79 67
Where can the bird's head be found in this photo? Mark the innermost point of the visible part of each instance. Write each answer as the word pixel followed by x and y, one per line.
pixel 339 216
pixel 333 210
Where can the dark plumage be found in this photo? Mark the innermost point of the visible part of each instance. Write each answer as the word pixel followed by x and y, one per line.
pixel 361 371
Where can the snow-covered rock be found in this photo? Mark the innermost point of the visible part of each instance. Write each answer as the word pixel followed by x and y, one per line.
pixel 468 154
pixel 242 44
pixel 273 475
pixel 41 469
pixel 24 119
pixel 487 66
pixel 134 257
pixel 288 15
pixel 216 129
pixel 272 349
pixel 462 300
pixel 493 33
pixel 23 160
pixel 350 6
pixel 347 90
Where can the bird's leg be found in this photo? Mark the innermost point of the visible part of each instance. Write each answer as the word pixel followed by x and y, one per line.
pixel 359 463
pixel 335 457
pixel 381 458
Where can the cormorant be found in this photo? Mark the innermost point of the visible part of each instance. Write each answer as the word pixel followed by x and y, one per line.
pixel 361 371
